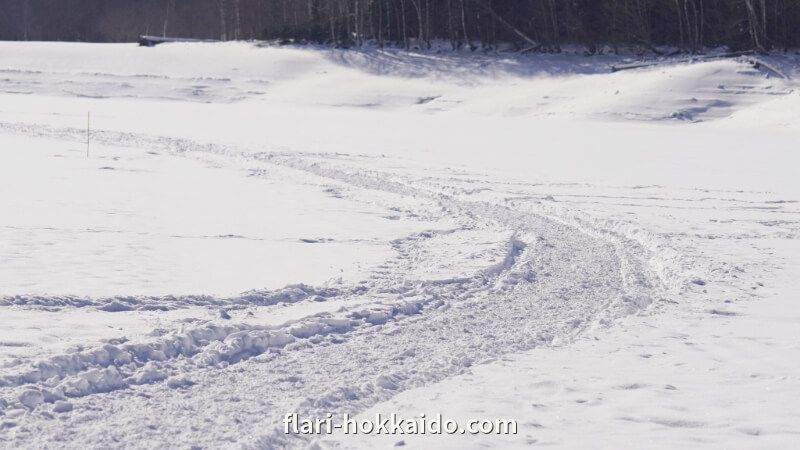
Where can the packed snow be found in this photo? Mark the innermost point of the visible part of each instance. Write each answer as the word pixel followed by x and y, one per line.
pixel 608 258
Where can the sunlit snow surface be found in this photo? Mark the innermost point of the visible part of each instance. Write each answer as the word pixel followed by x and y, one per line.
pixel 608 258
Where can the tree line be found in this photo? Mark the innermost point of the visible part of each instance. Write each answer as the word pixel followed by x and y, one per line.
pixel 687 25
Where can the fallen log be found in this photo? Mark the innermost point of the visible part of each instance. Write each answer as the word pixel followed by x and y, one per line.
pixel 150 41
pixel 758 64
pixel 617 68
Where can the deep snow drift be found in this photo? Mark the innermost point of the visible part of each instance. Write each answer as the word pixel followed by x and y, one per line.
pixel 608 258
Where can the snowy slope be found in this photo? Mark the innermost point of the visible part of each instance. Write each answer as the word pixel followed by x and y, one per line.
pixel 323 231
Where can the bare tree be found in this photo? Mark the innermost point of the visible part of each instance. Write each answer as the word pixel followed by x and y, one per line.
pixel 169 5
pixel 688 24
pixel 754 26
pixel 237 20
pixel 331 21
pixel 223 26
pixel 25 9
pixel 403 16
pixel 505 23
pixel 464 25
pixel 420 37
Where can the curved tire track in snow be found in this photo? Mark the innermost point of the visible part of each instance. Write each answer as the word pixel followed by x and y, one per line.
pixel 559 278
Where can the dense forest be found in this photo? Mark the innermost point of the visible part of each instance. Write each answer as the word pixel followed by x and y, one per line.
pixel 688 25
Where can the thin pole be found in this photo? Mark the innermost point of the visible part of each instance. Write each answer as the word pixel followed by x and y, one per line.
pixel 88 121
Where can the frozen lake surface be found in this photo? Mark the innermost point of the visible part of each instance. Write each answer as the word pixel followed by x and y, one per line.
pixel 611 259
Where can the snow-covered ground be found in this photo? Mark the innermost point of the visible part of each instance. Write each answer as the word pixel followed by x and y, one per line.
pixel 611 259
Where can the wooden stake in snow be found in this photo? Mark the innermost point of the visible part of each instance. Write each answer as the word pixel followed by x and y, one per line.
pixel 88 121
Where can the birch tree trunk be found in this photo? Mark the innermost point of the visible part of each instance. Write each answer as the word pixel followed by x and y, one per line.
pixel 25 5
pixel 416 5
pixel 331 22
pixel 755 27
pixel 223 26
pixel 358 22
pixel 403 16
pixel 464 25
pixel 237 29
pixel 166 20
